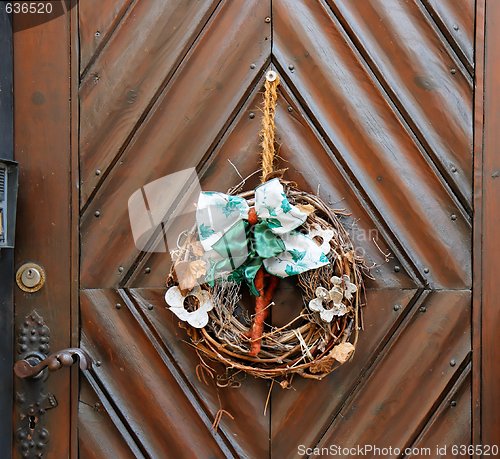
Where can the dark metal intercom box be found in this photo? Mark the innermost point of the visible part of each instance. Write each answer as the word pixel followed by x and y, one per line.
pixel 9 179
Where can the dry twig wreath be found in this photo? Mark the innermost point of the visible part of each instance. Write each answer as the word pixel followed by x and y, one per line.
pixel 256 238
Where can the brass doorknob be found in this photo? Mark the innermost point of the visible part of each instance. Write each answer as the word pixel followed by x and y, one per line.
pixel 32 367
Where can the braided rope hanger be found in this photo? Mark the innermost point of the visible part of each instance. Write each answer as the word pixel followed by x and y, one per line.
pixel 267 133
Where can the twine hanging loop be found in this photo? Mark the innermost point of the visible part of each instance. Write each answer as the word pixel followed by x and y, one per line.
pixel 267 133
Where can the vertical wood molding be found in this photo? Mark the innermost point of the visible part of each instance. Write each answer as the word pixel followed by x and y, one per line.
pixel 42 119
pixel 490 250
pixel 477 223
pixel 75 218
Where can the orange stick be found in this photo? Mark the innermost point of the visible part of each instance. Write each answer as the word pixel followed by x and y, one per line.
pixel 273 283
pixel 262 301
pixel 261 312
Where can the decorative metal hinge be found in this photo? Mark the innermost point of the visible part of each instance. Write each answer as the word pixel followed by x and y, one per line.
pixel 32 368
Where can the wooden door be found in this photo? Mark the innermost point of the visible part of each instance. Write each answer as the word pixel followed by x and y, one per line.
pixel 377 111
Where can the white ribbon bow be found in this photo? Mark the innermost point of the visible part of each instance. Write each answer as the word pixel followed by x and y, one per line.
pixel 217 213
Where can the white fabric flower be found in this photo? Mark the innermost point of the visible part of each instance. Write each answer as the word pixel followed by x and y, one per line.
pixel 345 282
pixel 197 319
pixel 326 236
pixel 324 296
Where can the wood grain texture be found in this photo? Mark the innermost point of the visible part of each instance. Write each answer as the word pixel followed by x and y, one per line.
pixel 74 179
pixel 394 401
pixel 490 249
pixel 200 100
pixel 414 65
pixel 369 137
pixel 98 436
pixel 151 394
pixel 451 424
pixel 301 415
pixel 457 22
pixel 477 287
pixel 42 147
pixel 97 22
pixel 248 433
pixel 125 79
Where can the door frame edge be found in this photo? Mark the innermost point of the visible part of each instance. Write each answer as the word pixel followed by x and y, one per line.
pixel 6 255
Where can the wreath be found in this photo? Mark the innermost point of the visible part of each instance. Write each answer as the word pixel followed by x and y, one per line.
pixel 254 239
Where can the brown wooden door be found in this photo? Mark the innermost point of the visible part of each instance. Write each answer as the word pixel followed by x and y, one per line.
pixel 376 113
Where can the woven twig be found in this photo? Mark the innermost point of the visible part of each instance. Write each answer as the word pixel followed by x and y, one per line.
pixel 306 346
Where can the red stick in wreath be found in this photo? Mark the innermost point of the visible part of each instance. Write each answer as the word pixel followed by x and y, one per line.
pixel 261 309
pixel 262 301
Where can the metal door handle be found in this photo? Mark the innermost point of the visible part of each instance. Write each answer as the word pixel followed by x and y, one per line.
pixel 32 366
pixel 32 395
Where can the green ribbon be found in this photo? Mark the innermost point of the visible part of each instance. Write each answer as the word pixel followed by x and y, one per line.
pixel 260 243
pixel 267 244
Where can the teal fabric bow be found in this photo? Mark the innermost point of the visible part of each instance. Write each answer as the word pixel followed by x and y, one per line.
pixel 236 250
